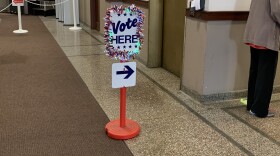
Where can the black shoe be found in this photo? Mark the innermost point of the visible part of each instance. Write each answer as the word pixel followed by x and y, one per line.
pixel 269 114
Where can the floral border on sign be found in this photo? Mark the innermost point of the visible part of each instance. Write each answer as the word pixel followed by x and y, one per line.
pixel 117 54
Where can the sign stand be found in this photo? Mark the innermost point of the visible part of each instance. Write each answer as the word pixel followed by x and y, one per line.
pixel 122 128
pixel 124 37
pixel 20 30
pixel 74 15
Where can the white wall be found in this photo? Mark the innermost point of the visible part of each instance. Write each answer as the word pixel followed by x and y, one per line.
pixel 226 5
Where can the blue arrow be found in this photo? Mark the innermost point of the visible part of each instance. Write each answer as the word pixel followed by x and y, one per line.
pixel 129 72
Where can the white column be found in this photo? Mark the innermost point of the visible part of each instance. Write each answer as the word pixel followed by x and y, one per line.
pixel 68 13
pixel 56 10
pixel 75 13
pixel 61 11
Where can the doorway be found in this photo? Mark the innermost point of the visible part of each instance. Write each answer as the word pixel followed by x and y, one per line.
pixel 94 9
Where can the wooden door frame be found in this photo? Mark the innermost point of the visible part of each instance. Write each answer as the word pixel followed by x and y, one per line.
pixel 94 10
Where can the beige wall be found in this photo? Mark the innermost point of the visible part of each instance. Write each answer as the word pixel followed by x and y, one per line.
pixel 143 56
pixel 103 8
pixel 227 57
pixel 154 31
pixel 193 57
pixel 215 58
pixel 85 14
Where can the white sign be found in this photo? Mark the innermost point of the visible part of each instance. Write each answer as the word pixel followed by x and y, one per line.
pixel 123 32
pixel 124 27
pixel 123 74
pixel 18 3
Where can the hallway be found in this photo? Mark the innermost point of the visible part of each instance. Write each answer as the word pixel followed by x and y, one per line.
pixel 165 114
pixel 171 122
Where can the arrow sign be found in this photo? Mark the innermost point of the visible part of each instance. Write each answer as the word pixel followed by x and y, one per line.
pixel 129 72
pixel 123 74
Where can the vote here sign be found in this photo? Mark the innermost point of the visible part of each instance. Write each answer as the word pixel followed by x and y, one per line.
pixel 123 32
pixel 18 2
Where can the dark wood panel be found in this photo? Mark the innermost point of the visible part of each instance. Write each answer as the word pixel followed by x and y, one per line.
pixel 94 8
pixel 140 3
pixel 219 15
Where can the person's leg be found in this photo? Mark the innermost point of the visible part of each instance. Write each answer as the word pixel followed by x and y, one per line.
pixel 264 84
pixel 252 77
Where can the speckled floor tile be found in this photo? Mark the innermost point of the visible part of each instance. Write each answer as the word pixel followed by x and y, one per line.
pixel 180 135
pixel 166 79
pixel 84 50
pixel 250 139
pixel 144 100
pixel 214 114
pixel 269 126
pixel 94 33
pixel 162 118
pixel 76 39
pixel 65 37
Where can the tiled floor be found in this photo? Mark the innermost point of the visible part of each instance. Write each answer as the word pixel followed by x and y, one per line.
pixel 171 122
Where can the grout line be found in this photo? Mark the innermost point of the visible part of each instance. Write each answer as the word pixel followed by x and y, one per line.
pixel 230 139
pixel 101 42
pixel 78 45
pixel 227 110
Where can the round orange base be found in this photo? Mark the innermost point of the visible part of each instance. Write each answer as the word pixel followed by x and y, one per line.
pixel 131 129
